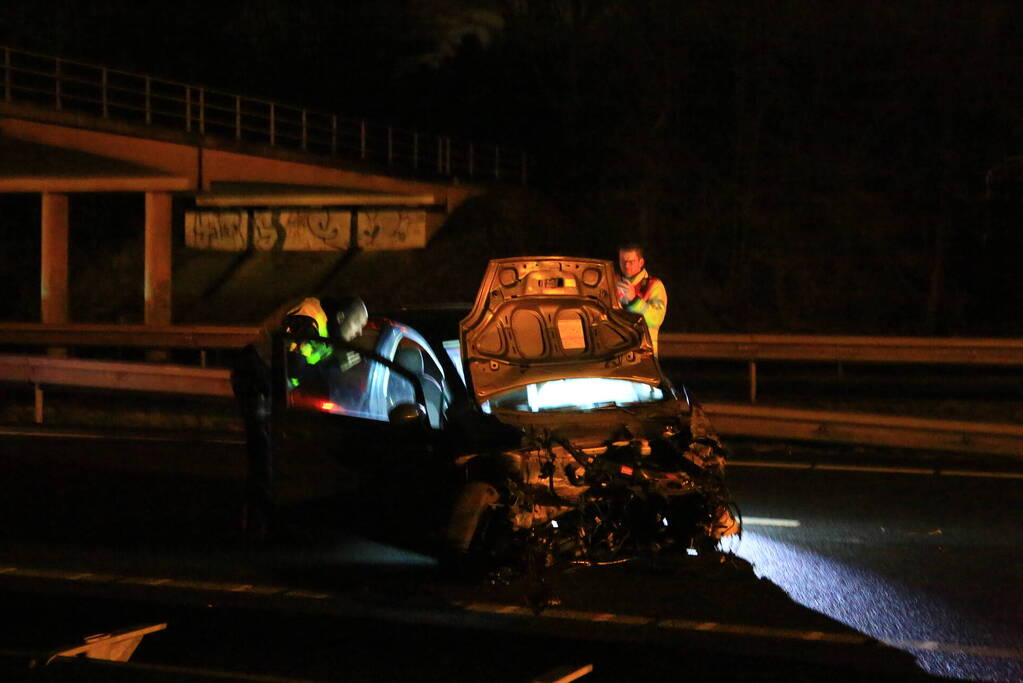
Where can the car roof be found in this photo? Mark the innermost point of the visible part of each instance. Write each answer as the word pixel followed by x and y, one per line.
pixel 436 323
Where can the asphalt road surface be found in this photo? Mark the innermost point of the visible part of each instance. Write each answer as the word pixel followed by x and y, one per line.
pixel 928 562
pixel 885 573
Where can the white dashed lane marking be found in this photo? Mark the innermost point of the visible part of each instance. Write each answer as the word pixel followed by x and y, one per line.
pixel 518 611
pixel 769 521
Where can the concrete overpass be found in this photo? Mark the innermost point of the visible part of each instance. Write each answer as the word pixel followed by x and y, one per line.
pixel 68 127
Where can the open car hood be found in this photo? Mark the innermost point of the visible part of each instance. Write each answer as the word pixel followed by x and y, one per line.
pixel 551 317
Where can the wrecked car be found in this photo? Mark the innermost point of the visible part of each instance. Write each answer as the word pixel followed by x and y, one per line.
pixel 540 425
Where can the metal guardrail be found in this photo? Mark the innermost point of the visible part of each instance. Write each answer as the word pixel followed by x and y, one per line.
pixel 750 348
pixel 744 347
pixel 753 347
pixel 729 419
pixel 80 87
pixel 41 371
pixel 153 377
pixel 136 336
pixel 841 349
pixel 864 428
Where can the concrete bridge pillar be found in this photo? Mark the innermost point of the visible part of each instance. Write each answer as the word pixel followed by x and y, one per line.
pixel 54 267
pixel 158 259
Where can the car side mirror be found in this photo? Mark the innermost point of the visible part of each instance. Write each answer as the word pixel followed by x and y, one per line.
pixel 409 414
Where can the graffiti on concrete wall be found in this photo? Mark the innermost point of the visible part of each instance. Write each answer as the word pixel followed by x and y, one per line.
pixel 217 230
pixel 301 230
pixel 304 229
pixel 392 229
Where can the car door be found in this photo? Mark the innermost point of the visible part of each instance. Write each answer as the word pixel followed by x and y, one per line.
pixel 331 425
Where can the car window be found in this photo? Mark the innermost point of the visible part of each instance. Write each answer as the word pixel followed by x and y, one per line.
pixel 406 345
pixel 420 361
pixel 400 389
pixel 453 349
pixel 325 378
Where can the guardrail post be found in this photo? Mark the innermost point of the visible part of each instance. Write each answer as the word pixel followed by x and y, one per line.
pixel 149 102
pixel 56 84
pixel 752 381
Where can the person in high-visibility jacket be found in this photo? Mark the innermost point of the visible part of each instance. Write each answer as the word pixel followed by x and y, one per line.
pixel 638 291
pixel 310 324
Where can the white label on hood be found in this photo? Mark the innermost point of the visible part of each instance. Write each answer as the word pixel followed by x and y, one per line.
pixel 571 333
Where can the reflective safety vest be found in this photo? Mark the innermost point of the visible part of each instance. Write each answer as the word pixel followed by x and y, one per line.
pixel 651 302
pixel 311 308
pixel 311 350
pixel 308 307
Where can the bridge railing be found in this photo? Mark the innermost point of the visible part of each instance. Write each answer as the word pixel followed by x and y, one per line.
pixel 80 87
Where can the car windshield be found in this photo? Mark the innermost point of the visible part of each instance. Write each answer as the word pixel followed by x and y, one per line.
pixel 580 393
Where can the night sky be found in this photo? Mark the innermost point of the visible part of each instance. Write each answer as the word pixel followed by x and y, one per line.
pixel 792 166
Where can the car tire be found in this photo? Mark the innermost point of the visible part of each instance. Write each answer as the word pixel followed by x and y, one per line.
pixel 469 510
pixel 465 553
